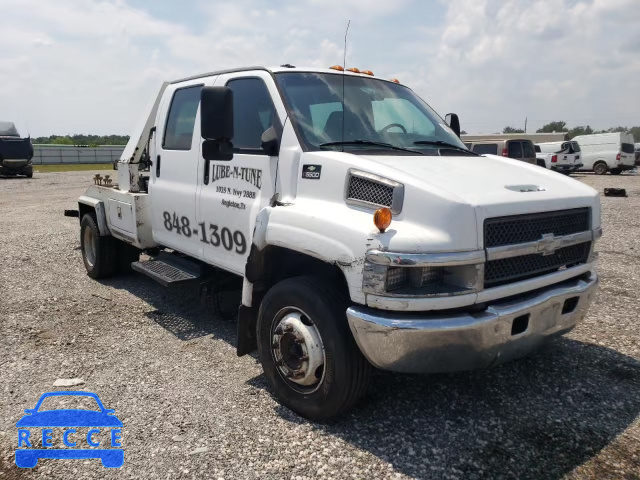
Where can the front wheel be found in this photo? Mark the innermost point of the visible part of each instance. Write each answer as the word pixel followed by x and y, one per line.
pixel 306 348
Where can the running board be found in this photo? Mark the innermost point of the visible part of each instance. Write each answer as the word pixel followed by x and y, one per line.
pixel 169 270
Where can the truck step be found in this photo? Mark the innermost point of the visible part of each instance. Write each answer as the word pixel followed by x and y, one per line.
pixel 169 270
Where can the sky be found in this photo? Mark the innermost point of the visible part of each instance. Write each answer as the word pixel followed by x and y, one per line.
pixel 84 66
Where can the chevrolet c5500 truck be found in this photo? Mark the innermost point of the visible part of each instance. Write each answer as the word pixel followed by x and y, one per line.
pixel 364 233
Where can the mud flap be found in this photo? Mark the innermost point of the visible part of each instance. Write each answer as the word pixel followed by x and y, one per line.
pixel 247 319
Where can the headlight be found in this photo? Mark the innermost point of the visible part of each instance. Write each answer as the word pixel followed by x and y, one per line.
pixel 420 281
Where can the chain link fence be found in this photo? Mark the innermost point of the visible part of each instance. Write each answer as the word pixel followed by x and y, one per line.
pixel 58 154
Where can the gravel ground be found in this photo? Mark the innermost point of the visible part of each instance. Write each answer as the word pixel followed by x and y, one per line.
pixel 192 409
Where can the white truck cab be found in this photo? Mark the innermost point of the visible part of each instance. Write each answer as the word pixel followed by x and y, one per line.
pixel 364 232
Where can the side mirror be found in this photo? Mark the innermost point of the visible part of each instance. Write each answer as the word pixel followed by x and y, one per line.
pixel 216 123
pixel 454 122
pixel 216 113
pixel 269 142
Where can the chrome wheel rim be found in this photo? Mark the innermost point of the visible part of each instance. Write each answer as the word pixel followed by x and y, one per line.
pixel 89 244
pixel 297 350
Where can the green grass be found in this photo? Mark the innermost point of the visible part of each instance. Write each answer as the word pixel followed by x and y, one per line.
pixel 72 167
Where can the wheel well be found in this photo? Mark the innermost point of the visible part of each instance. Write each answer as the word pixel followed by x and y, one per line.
pixel 269 266
pixel 84 209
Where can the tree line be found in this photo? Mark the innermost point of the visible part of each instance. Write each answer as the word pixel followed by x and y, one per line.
pixel 82 140
pixel 560 126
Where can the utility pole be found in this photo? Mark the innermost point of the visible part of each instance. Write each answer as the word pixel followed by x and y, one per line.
pixel 525 124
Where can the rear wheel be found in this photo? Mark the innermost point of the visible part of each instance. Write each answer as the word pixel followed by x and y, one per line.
pixel 306 348
pixel 99 253
pixel 600 168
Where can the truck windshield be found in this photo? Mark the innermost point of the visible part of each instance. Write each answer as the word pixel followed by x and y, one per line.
pixel 375 112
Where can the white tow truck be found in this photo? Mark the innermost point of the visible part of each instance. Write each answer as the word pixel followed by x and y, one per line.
pixel 363 231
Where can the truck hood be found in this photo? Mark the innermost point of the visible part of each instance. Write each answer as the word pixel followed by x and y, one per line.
pixel 448 198
pixel 491 181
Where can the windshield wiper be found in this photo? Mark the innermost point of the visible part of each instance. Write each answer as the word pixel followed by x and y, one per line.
pixel 370 142
pixel 440 143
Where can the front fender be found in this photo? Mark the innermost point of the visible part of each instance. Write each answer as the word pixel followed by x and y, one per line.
pixel 331 233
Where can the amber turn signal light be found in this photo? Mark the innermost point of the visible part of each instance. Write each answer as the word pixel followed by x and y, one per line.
pixel 382 219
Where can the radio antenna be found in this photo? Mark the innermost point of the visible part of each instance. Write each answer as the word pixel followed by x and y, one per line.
pixel 344 68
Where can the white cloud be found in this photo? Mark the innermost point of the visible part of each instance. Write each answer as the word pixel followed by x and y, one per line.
pixel 500 61
pixel 81 66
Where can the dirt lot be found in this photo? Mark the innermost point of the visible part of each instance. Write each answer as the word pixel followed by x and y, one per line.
pixel 170 372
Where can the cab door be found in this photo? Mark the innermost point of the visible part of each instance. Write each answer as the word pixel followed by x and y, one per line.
pixel 174 174
pixel 239 188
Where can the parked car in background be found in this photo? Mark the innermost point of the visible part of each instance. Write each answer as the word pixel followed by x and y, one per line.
pixel 16 153
pixel 520 149
pixel 562 157
pixel 607 152
pixel 637 148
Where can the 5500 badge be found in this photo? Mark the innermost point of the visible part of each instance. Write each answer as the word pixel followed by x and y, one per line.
pixel 211 236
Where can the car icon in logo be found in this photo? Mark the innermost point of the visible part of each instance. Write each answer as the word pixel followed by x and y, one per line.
pixel 69 419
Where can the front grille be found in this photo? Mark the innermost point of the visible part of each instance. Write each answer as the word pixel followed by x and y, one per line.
pixel 507 270
pixel 529 228
pixel 366 190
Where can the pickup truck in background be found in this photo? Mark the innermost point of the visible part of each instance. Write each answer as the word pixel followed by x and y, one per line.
pixel 563 157
pixel 16 153
pixel 518 149
pixel 364 234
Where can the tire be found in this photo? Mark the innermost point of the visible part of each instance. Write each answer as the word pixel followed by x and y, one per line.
pixel 600 168
pixel 99 254
pixel 315 304
pixel 127 254
pixel 28 172
pixel 615 171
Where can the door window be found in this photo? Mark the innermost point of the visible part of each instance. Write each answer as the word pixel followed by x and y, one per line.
pixel 253 113
pixel 515 150
pixel 182 116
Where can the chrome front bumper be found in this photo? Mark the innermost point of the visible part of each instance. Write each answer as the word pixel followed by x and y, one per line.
pixel 428 343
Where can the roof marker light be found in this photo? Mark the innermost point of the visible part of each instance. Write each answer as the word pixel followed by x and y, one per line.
pixel 337 67
pixel 395 80
pixel 353 69
pixel 367 72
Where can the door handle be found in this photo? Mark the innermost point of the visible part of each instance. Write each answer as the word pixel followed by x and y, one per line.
pixel 206 172
pixel 158 166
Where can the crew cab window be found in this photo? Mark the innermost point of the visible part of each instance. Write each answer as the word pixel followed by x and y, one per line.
pixel 515 150
pixel 253 112
pixel 486 149
pixel 182 116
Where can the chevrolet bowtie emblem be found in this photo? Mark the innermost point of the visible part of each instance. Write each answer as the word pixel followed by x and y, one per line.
pixel 549 244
